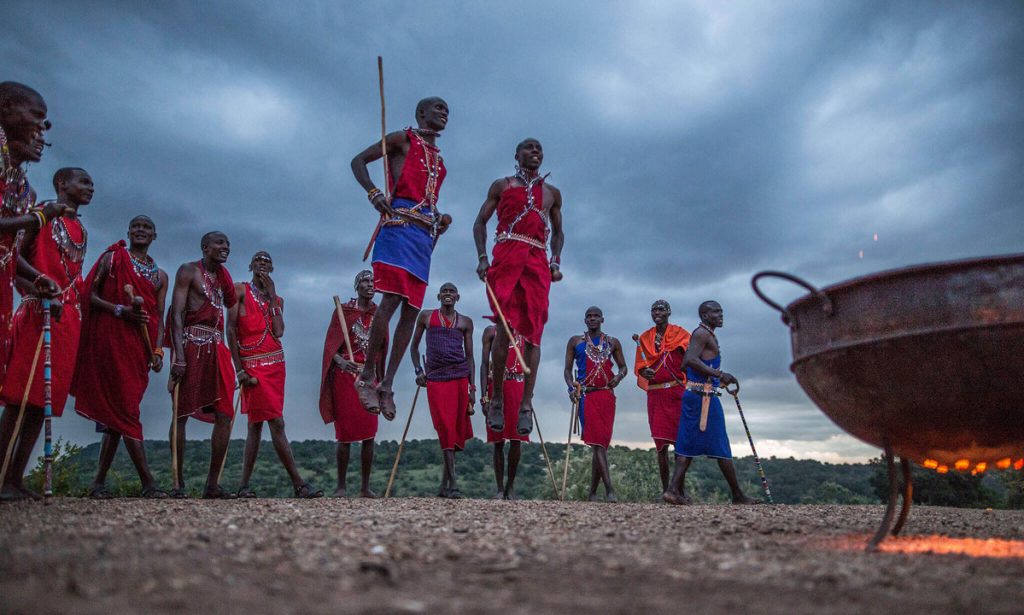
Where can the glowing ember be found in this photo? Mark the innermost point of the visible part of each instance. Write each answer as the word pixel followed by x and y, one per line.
pixel 962 464
pixel 1002 464
pixel 931 464
pixel 942 469
pixel 938 545
pixel 981 467
pixel 1019 464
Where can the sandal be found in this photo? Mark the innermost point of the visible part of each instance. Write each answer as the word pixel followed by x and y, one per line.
pixel 245 492
pixel 100 493
pixel 525 423
pixel 154 493
pixel 496 415
pixel 218 493
pixel 308 491
pixel 387 404
pixel 369 397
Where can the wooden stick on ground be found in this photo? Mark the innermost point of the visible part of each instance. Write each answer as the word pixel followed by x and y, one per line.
pixel 568 443
pixel 398 456
pixel 21 411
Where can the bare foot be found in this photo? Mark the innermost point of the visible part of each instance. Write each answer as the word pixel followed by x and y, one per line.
pixel 676 498
pixel 368 396
pixel 743 500
pixel 610 497
pixel 387 403
pixel 511 495
pixel 499 496
pixel 338 493
pixel 367 493
pixel 496 415
pixel 593 498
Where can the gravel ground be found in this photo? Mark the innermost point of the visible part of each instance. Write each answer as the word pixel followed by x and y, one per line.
pixel 438 556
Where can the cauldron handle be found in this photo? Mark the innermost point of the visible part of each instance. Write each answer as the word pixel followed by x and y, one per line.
pixel 826 303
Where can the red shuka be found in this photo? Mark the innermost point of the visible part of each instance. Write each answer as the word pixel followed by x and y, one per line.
pixel 339 402
pixel 262 357
pixel 9 244
pixel 449 401
pixel 598 406
pixel 112 370
pixel 512 395
pixel 664 404
pixel 53 254
pixel 210 375
pixel 519 273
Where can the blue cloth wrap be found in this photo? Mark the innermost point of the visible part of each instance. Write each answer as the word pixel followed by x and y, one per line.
pixel 690 440
pixel 406 246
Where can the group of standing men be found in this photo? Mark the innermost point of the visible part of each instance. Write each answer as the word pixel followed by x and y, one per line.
pixel 109 329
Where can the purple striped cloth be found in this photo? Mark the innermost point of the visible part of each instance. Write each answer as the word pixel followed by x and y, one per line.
pixel 446 354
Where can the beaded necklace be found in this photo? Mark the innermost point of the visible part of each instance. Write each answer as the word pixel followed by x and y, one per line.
pixel 75 250
pixel 214 293
pixel 264 308
pixel 145 268
pixel 598 354
pixel 445 323
pixel 361 327
pixel 17 195
pixel 531 205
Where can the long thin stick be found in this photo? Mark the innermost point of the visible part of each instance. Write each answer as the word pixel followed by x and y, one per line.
pixel 234 413
pixel 757 460
pixel 142 326
pixel 405 432
pixel 544 448
pixel 174 438
pixel 344 327
pixel 384 153
pixel 568 446
pixel 508 330
pixel 8 455
pixel 47 406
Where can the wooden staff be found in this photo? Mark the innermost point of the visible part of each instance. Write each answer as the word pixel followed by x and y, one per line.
pixel 568 443
pixel 544 448
pixel 384 153
pixel 234 413
pixel 508 330
pixel 143 329
pixel 174 437
pixel 394 468
pixel 21 410
pixel 344 327
pixel 47 406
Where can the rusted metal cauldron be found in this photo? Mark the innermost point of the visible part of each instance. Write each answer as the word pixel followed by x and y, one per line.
pixel 926 362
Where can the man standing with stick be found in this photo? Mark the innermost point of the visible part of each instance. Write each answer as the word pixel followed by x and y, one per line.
pixel 255 327
pixel 121 331
pixel 659 371
pixel 448 377
pixel 409 228
pixel 513 392
pixel 702 427
pixel 57 251
pixel 202 376
pixel 529 213
pixel 344 354
pixel 593 392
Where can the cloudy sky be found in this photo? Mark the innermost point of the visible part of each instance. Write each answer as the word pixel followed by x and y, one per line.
pixel 694 143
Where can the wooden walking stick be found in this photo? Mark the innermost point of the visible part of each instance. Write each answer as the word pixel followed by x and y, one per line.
pixel 544 448
pixel 508 330
pixel 234 413
pixel 137 306
pixel 47 407
pixel 568 443
pixel 344 327
pixel 9 454
pixel 394 468
pixel 174 438
pixel 384 153
pixel 757 460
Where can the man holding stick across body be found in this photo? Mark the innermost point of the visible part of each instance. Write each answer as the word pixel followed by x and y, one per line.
pixel 702 426
pixel 518 281
pixel 448 377
pixel 410 226
pixel 513 392
pixel 121 331
pixel 343 359
pixel 659 371
pixel 57 251
pixel 255 327
pixel 593 391
pixel 202 376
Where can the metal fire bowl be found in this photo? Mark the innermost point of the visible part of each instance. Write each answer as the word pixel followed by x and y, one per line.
pixel 928 360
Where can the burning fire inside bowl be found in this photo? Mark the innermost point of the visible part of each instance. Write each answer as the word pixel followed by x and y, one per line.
pixel 924 362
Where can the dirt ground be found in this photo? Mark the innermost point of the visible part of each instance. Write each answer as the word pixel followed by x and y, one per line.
pixel 438 556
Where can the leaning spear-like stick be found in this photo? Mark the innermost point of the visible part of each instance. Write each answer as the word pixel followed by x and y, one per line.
pixel 405 432
pixel 174 438
pixel 384 153
pixel 757 460
pixel 47 406
pixel 544 448
pixel 234 413
pixel 508 330
pixel 21 410
pixel 344 327
pixel 568 443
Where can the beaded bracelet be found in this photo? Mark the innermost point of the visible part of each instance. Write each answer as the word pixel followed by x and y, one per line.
pixel 372 194
pixel 482 257
pixel 40 217
pixel 158 352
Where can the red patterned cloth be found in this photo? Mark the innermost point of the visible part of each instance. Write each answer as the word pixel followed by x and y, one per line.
pixel 664 408
pixel 9 244
pixel 339 402
pixel 519 273
pixel 53 252
pixel 262 357
pixel 597 428
pixel 422 174
pixel 210 375
pixel 449 401
pixel 397 281
pixel 112 370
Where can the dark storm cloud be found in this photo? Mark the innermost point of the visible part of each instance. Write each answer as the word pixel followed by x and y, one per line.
pixel 694 145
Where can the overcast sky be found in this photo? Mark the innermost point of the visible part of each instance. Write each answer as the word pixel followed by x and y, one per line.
pixel 694 144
